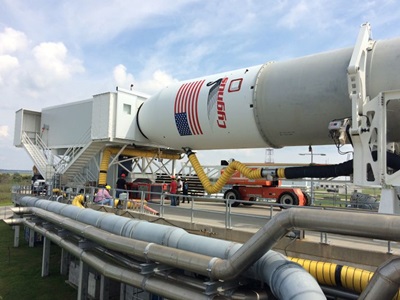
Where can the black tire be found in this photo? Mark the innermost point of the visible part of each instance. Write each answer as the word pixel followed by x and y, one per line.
pixel 231 195
pixel 308 198
pixel 288 198
pixel 250 202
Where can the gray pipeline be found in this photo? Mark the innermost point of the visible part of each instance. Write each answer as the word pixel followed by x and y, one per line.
pixel 286 279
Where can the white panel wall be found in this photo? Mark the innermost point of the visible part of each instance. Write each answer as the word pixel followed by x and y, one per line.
pixel 18 128
pixel 65 125
pixel 126 111
pixel 28 121
pixel 105 117
pixel 102 116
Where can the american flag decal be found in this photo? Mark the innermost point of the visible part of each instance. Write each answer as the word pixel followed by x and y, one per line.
pixel 186 108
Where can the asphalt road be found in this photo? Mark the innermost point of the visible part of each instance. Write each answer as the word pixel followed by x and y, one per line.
pixel 254 216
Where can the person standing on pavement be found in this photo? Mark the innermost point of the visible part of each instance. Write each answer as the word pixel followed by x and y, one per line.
pixel 185 190
pixel 121 185
pixel 179 190
pixel 173 189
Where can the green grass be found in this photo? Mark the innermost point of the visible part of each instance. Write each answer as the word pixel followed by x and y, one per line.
pixel 5 194
pixel 6 183
pixel 20 271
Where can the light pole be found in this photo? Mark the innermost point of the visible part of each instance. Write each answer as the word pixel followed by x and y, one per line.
pixel 312 154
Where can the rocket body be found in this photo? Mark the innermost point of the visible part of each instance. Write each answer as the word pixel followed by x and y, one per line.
pixel 277 104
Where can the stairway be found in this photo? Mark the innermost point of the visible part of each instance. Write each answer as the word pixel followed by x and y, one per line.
pixel 81 159
pixel 195 186
pixel 70 165
pixel 38 155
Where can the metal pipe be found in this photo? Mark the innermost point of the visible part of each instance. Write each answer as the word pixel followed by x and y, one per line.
pixel 193 262
pixel 173 290
pixel 190 261
pixel 339 293
pixel 20 210
pixel 240 257
pixel 178 238
pixel 385 282
pixel 187 260
pixel 13 222
pixel 346 223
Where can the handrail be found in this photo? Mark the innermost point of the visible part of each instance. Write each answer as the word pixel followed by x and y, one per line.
pixel 41 143
pixel 40 156
pixel 72 151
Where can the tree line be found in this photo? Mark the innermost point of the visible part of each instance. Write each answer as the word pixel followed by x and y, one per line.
pixel 15 178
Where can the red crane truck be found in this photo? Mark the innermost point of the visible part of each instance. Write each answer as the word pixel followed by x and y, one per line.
pixel 242 188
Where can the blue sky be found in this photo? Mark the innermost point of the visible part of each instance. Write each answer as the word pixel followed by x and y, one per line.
pixel 54 52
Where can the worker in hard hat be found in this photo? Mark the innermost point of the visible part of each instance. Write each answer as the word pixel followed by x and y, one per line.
pixel 185 191
pixel 103 196
pixel 79 201
pixel 121 185
pixel 173 188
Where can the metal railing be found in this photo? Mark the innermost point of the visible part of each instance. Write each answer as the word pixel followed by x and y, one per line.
pixel 199 210
pixel 39 150
pixel 70 154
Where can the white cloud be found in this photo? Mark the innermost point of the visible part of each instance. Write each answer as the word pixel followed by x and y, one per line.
pixel 3 131
pixel 98 25
pixel 54 64
pixel 12 40
pixel 8 64
pixel 296 13
pixel 121 77
pixel 159 80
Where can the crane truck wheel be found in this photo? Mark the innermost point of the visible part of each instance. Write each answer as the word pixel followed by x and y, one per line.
pixel 308 198
pixel 232 195
pixel 288 198
pixel 250 202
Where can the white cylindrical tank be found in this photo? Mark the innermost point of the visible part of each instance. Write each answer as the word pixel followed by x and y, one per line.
pixel 272 105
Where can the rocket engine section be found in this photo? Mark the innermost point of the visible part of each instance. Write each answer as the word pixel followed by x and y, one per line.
pixel 272 105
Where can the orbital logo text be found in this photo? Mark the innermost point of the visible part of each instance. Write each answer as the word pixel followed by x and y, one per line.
pixel 220 104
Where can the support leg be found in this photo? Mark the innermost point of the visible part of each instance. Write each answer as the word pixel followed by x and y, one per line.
pixel 122 291
pixel 390 201
pixel 104 287
pixel 46 257
pixel 17 229
pixel 31 238
pixel 83 281
pixel 65 260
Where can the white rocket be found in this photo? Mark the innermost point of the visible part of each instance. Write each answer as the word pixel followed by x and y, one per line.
pixel 271 105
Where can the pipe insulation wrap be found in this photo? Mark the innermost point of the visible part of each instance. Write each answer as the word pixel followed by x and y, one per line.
pixel 342 169
pixel 176 237
pixel 331 274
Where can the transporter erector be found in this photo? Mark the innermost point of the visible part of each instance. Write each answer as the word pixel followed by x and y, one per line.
pixel 342 96
pixel 276 104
